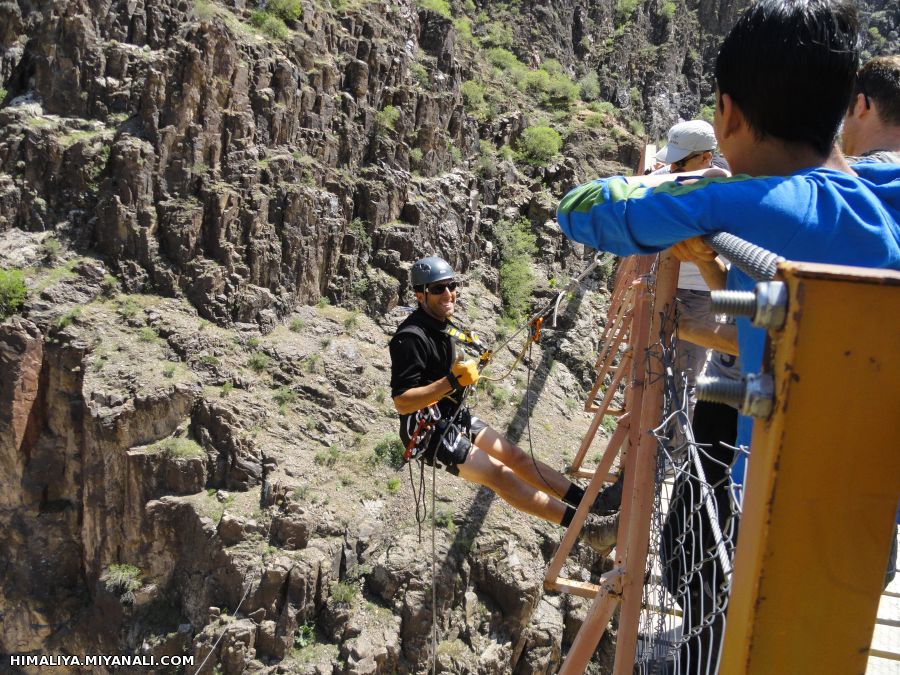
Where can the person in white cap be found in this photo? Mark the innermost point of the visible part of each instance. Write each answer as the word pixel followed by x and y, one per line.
pixel 689 147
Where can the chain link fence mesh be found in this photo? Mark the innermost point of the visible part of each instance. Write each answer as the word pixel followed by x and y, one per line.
pixel 693 530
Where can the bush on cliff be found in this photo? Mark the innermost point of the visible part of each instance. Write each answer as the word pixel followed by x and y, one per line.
pixel 286 10
pixel 539 144
pixel 517 248
pixel 12 292
pixel 441 7
pixel 269 24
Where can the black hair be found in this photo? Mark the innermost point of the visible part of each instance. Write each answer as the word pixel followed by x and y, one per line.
pixel 790 66
pixel 879 80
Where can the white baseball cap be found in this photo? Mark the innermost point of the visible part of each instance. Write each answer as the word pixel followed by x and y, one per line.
pixel 686 138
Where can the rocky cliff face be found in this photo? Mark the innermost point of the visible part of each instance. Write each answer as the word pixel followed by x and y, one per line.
pixel 215 213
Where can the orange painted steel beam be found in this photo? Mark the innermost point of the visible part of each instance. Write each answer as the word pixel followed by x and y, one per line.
pixel 824 479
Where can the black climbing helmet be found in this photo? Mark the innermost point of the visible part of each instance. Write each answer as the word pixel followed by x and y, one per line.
pixel 426 271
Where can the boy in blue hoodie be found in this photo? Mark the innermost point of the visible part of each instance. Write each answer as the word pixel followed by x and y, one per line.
pixel 784 77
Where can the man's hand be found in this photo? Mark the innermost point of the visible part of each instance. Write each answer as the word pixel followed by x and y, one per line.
pixel 693 250
pixel 466 372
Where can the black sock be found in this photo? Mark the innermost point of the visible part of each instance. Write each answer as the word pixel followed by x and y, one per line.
pixel 567 516
pixel 573 495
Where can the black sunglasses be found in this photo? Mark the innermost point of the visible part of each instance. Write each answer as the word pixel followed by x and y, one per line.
pixel 438 289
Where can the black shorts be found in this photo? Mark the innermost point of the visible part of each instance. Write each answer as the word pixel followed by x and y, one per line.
pixel 453 449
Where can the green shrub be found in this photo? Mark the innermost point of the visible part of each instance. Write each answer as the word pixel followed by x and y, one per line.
pixel 258 362
pixel 455 154
pixel 590 86
pixel 386 118
pixel 122 581
pixel 389 450
pixel 444 519
pixel 284 397
pixel 464 28
pixel 497 35
pixel 539 144
pixel 415 155
pixel 441 7
pixel 594 120
pixel 603 107
pixel 351 322
pixel 147 334
pixel 128 308
pixel 269 24
pixel 517 248
pixel 393 485
pixel 177 448
pixel 503 59
pixel 360 287
pixel 536 81
pixel 70 316
pixel 707 113
pixel 420 73
pixel 287 10
pixel 473 96
pixel 668 9
pixel 226 389
pixel 312 362
pixel 358 228
pixel 343 592
pixel 210 360
pixel 487 162
pixel 297 325
pixel 110 285
pixel 305 635
pixel 327 458
pixel 322 302
pixel 552 66
pixel 624 10
pixel 12 291
pixel 561 91
pixel 637 127
pixel 51 248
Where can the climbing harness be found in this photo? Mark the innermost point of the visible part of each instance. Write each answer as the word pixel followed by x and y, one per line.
pixel 427 417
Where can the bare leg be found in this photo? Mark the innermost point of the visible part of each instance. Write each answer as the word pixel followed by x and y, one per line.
pixel 532 471
pixel 484 470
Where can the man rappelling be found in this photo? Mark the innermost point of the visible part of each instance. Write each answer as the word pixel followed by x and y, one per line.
pixel 428 384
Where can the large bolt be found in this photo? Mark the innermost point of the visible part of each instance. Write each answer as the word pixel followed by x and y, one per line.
pixel 720 390
pixel 753 394
pixel 766 305
pixel 733 303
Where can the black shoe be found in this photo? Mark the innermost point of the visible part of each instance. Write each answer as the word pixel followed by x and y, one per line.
pixel 609 500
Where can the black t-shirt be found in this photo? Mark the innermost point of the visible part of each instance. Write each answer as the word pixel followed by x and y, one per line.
pixel 421 353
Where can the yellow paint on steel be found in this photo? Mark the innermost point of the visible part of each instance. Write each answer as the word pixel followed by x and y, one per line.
pixel 824 479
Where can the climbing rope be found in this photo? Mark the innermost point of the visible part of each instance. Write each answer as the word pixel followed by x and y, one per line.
pixel 262 568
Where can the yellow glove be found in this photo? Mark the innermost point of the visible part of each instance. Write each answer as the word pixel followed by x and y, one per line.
pixel 465 373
